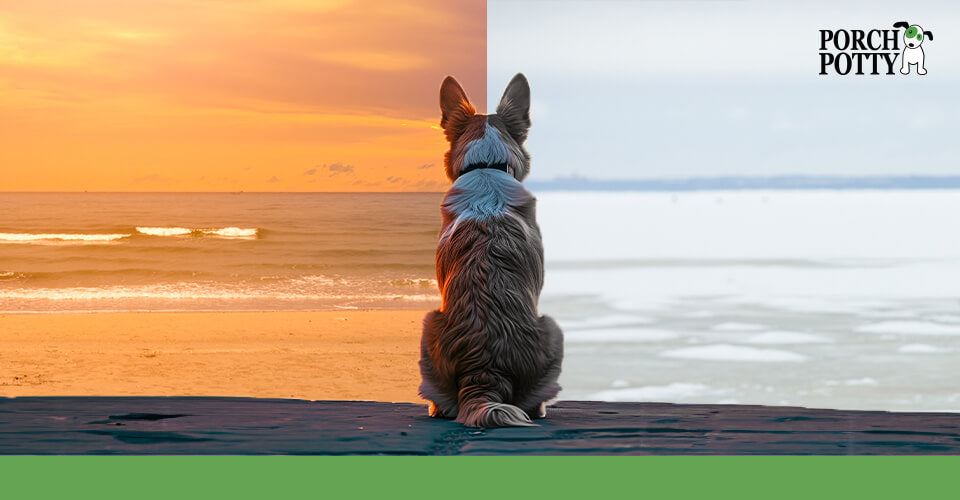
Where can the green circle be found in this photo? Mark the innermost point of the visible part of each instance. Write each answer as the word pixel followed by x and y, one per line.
pixel 911 32
pixel 919 38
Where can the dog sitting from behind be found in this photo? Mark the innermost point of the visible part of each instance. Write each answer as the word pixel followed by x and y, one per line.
pixel 488 358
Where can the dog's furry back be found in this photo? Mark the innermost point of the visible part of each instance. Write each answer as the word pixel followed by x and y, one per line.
pixel 487 357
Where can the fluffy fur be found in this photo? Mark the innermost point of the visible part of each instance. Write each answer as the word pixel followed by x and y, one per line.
pixel 488 358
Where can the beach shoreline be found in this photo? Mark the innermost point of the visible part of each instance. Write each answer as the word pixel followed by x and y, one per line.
pixel 313 355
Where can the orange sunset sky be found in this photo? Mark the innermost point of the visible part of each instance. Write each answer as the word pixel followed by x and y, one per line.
pixel 176 95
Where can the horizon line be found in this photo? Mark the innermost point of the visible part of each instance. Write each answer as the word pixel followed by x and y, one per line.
pixel 578 182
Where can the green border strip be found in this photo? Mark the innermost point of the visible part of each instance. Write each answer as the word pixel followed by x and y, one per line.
pixel 477 477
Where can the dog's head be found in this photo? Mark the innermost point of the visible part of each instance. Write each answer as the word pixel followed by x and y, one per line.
pixel 914 35
pixel 489 140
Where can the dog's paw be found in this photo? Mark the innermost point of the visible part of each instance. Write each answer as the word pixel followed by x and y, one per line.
pixel 438 412
pixel 921 71
pixel 904 71
pixel 542 411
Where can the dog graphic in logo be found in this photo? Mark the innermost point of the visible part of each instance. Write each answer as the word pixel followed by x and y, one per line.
pixel 913 52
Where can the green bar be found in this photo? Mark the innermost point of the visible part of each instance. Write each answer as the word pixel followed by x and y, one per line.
pixel 478 477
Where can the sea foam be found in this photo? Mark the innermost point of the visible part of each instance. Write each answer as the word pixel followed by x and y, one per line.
pixel 165 231
pixel 232 232
pixel 223 232
pixel 60 238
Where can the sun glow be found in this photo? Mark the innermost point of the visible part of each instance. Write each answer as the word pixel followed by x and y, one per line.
pixel 224 96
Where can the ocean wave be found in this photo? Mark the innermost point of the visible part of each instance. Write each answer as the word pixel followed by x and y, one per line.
pixel 60 238
pixel 233 232
pixel 415 282
pixel 123 273
pixel 108 238
pixel 193 291
pixel 223 232
pixel 165 231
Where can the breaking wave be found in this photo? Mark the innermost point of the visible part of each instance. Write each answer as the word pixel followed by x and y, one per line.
pixel 108 238
pixel 224 232
pixel 48 238
pixel 165 231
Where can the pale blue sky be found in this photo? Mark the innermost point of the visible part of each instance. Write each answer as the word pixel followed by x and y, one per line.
pixel 650 89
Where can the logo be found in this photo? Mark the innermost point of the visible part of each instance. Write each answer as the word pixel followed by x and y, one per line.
pixel 873 52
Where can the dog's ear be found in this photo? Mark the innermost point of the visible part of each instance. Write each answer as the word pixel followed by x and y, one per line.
pixel 456 108
pixel 514 108
pixel 901 24
pixel 929 35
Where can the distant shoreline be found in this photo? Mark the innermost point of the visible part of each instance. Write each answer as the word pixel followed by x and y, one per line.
pixel 718 183
pixel 784 182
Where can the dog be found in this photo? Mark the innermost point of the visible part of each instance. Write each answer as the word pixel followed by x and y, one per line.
pixel 913 52
pixel 488 359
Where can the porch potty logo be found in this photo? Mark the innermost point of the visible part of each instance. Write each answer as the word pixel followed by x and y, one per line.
pixel 873 52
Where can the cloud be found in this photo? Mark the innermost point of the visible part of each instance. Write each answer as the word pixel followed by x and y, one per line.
pixel 339 167
pixel 420 184
pixel 273 179
pixel 332 170
pixel 367 184
pixel 425 183
pixel 376 61
pixel 189 89
pixel 425 166
pixel 203 54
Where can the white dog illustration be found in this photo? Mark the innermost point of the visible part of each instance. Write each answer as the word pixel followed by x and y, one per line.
pixel 913 52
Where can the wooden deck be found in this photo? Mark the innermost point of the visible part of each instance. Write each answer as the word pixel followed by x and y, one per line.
pixel 204 425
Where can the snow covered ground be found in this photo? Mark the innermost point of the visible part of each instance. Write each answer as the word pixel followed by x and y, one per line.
pixel 841 299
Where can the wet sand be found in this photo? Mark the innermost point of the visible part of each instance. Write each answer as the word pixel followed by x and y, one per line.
pixel 329 355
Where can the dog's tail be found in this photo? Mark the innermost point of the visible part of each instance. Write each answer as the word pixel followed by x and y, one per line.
pixel 481 407
pixel 482 413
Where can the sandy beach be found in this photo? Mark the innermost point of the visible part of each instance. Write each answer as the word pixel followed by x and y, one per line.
pixel 330 355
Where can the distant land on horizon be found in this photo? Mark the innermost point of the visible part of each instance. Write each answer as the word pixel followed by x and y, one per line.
pixel 577 183
pixel 718 183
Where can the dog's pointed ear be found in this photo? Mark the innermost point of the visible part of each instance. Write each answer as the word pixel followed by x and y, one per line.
pixel 456 108
pixel 901 24
pixel 929 35
pixel 514 108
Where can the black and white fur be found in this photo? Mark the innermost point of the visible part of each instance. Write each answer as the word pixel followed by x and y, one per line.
pixel 488 358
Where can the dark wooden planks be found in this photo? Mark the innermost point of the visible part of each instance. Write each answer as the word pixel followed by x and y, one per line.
pixel 203 425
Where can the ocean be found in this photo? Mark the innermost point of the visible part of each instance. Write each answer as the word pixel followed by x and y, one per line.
pixel 840 299
pixel 216 251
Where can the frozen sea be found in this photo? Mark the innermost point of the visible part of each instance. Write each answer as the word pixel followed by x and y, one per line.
pixel 839 299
